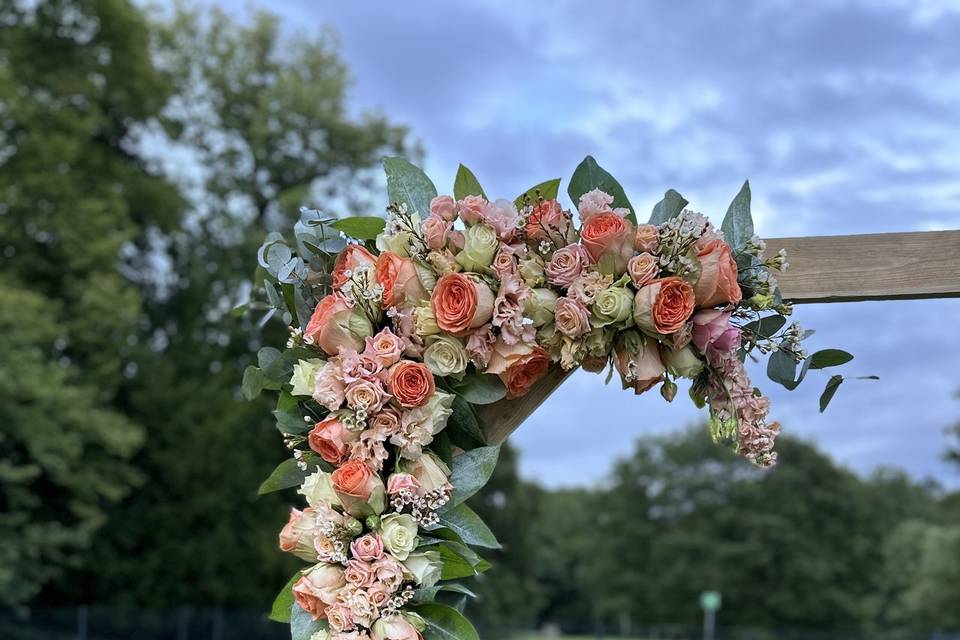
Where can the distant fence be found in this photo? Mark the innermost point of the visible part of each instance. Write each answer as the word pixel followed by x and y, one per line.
pixel 196 623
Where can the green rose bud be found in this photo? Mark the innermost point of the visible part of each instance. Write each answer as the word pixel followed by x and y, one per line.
pixel 445 355
pixel 540 306
pixel 426 321
pixel 441 408
pixel 304 376
pixel 480 244
pixel 613 305
pixel 531 270
pixel 683 362
pixel 668 390
pixel 317 488
pixel 399 533
pixel 424 567
pixel 373 522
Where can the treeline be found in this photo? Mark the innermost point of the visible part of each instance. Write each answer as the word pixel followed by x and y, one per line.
pixel 807 546
pixel 128 461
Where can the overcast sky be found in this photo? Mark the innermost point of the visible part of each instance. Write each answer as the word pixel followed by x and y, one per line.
pixel 845 116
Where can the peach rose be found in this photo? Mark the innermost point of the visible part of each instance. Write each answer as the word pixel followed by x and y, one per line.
pixel 549 222
pixel 399 279
pixel 638 362
pixel 318 588
pixel 387 421
pixel 718 279
pixel 567 264
pixel 355 479
pixel 358 573
pixel 471 208
pixel 332 440
pixel 355 255
pixel 435 231
pixel 518 365
pixel 386 347
pixel 411 383
pixel 643 268
pixel 646 238
pixel 461 303
pixel 300 532
pixel 366 394
pixel 389 572
pixel 663 306
pixel 334 325
pixel 394 628
pixel 608 238
pixel 572 318
pixel 443 207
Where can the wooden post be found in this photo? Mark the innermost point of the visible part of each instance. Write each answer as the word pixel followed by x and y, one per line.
pixel 882 266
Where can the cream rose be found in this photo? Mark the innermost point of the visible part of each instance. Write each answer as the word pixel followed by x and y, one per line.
pixel 540 306
pixel 317 488
pixel 425 567
pixel 445 355
pixel 399 534
pixel 613 306
pixel 480 246
pixel 304 377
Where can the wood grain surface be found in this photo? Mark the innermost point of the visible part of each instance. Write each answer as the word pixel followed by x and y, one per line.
pixel 883 266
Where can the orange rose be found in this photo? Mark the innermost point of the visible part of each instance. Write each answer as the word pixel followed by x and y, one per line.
pixel 663 306
pixel 334 324
pixel 646 238
pixel 411 383
pixel 638 362
pixel 399 279
pixel 608 238
pixel 355 255
pixel 518 365
pixel 355 479
pixel 332 440
pixel 718 279
pixel 461 303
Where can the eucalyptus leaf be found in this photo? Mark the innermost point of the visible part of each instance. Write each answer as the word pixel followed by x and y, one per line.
pixel 737 225
pixel 670 207
pixel 766 327
pixel 444 623
pixel 589 176
pixel 471 471
pixel 463 427
pixel 466 184
pixel 302 624
pixel 408 184
pixel 454 566
pixel 781 368
pixel 829 358
pixel 283 603
pixel 361 227
pixel 480 388
pixel 831 389
pixel 465 523
pixel 286 475
pixel 548 190
pixel 253 382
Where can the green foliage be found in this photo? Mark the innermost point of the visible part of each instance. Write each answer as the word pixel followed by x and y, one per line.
pixel 360 227
pixel 480 388
pixel 471 470
pixel 589 176
pixel 737 225
pixel 548 190
pixel 466 184
pixel 77 87
pixel 445 623
pixel 469 527
pixel 670 207
pixel 408 184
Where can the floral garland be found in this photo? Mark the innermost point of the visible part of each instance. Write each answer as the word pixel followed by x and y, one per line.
pixel 399 326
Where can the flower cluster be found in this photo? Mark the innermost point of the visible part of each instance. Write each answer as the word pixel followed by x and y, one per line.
pixel 462 293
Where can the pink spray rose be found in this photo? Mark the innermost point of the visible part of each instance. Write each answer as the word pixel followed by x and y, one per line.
pixel 435 231
pixel 643 268
pixel 503 217
pixel 471 208
pixel 567 264
pixel 572 318
pixel 398 482
pixel 388 572
pixel 713 334
pixel 444 207
pixel 366 394
pixel 359 573
pixel 385 347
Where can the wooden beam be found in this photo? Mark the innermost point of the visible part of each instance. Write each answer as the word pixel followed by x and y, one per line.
pixel 880 266
pixel 883 266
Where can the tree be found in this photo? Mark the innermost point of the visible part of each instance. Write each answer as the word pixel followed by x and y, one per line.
pixel 77 87
pixel 263 119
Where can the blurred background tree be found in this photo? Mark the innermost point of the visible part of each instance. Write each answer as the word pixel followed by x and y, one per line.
pixel 77 86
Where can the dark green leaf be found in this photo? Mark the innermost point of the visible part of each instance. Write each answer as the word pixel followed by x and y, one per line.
pixel 589 176
pixel 360 227
pixel 765 327
pixel 480 388
pixel 287 474
pixel 283 603
pixel 302 625
pixel 829 358
pixel 252 383
pixel 429 594
pixel 466 184
pixel 454 565
pixel 782 368
pixel 290 421
pixel 468 525
pixel 831 389
pixel 737 225
pixel 407 184
pixel 441 446
pixel 548 190
pixel 444 623
pixel 471 470
pixel 670 207
pixel 463 427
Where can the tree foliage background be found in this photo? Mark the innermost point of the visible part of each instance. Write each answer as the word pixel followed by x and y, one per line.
pixel 142 159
